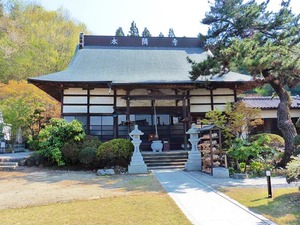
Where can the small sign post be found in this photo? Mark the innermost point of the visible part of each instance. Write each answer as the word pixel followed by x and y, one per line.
pixel 268 173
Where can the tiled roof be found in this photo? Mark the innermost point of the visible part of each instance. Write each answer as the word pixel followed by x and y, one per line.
pixel 268 102
pixel 159 62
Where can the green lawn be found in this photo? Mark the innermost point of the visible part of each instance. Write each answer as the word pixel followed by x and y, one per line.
pixel 283 208
pixel 144 208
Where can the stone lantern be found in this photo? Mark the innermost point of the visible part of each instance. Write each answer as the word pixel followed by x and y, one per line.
pixel 194 157
pixel 137 164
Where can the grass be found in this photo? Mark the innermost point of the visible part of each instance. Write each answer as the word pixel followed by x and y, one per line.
pixel 283 208
pixel 145 208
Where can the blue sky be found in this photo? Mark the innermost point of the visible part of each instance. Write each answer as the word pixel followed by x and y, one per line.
pixel 103 17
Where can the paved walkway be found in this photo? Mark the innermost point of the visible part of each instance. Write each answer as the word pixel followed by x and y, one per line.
pixel 201 203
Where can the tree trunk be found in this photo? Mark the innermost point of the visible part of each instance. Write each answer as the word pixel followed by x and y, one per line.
pixel 284 121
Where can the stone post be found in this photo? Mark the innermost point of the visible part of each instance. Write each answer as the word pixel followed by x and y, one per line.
pixel 194 157
pixel 137 164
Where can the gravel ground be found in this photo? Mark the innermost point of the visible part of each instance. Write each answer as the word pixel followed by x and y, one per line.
pixel 37 186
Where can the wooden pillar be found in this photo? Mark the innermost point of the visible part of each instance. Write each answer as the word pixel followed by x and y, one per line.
pixel 235 93
pixel 88 121
pixel 115 115
pixel 62 91
pixel 128 112
pixel 189 109
pixel 184 115
pixel 211 98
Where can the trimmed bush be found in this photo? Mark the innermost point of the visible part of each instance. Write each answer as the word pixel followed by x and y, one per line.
pixel 87 155
pixel 116 152
pixel 70 152
pixel 91 141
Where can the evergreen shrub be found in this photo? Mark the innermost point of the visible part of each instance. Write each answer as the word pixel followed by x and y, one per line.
pixel 116 152
pixel 87 155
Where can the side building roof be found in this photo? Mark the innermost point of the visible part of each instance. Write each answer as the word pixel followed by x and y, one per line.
pixel 268 102
pixel 103 60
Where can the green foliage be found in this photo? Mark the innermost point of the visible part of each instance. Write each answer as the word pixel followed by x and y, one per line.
pixel 119 32
pixel 35 41
pixel 243 150
pixel 272 140
pixel 115 152
pixel 70 152
pixel 134 31
pixel 90 141
pixel 235 120
pixel 242 166
pixel 293 169
pixel 27 107
pixel 53 137
pixel 246 37
pixel 146 32
pixel 87 155
pixel 257 167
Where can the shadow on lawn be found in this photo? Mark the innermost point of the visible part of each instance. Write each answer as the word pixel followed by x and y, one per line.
pixel 284 206
pixel 126 182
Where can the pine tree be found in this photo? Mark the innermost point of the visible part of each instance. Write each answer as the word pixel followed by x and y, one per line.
pixel 134 31
pixel 171 33
pixel 245 37
pixel 146 33
pixel 160 34
pixel 119 32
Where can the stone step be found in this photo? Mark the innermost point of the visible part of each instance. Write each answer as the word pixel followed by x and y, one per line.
pixel 165 160
pixel 7 166
pixel 165 167
pixel 151 160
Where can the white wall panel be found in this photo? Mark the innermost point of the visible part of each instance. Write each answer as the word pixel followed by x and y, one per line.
pixel 165 103
pixel 75 91
pixel 200 108
pixel 199 91
pixel 222 91
pixel 140 103
pixel 223 99
pixel 121 92
pixel 269 113
pixel 101 91
pixel 200 99
pixel 75 100
pixel 121 102
pixel 74 109
pixel 101 109
pixel 101 100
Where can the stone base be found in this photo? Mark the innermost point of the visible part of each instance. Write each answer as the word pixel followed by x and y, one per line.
pixel 220 172
pixel 239 176
pixel 137 164
pixel 194 161
pixel 133 169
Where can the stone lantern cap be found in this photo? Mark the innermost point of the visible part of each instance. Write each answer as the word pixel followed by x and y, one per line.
pixel 193 130
pixel 136 131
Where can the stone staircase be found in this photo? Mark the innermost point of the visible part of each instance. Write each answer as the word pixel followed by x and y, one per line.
pixel 165 160
pixel 8 166
pixel 10 161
